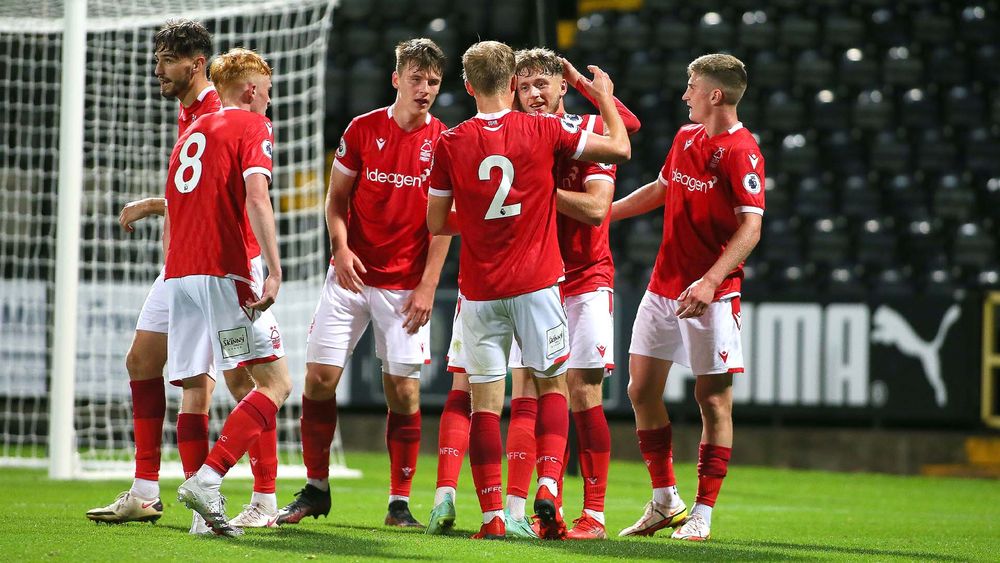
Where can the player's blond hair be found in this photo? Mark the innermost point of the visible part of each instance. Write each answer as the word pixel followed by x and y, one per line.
pixel 236 66
pixel 541 60
pixel 489 67
pixel 726 71
pixel 421 53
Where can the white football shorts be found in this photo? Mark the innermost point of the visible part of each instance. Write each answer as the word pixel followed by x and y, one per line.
pixel 709 344
pixel 342 316
pixel 536 320
pixel 455 362
pixel 209 311
pixel 591 330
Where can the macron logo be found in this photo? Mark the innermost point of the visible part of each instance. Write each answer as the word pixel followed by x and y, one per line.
pixel 380 143
pixel 398 180
pixel 753 160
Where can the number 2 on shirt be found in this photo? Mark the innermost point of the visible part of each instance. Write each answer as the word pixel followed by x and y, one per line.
pixel 193 162
pixel 497 209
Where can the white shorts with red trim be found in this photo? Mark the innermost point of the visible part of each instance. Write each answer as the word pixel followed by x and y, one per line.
pixel 155 312
pixel 209 312
pixel 455 362
pixel 342 317
pixel 536 320
pixel 709 344
pixel 591 330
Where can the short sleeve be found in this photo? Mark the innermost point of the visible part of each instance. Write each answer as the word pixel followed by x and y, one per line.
pixel 348 159
pixel 744 169
pixel 663 177
pixel 571 136
pixel 599 171
pixel 440 179
pixel 257 149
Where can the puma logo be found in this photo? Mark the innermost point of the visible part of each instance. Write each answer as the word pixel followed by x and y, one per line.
pixel 891 329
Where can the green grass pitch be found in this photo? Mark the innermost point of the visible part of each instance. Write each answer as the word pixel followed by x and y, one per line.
pixel 763 515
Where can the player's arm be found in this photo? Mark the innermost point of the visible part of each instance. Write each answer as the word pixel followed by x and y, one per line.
pixel 642 200
pixel 696 298
pixel 615 146
pixel 419 305
pixel 580 81
pixel 140 209
pixel 338 200
pixel 589 206
pixel 261 216
pixel 441 220
pixel 165 239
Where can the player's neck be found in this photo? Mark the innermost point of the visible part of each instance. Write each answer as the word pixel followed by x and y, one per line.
pixel 198 85
pixel 494 104
pixel 408 120
pixel 721 121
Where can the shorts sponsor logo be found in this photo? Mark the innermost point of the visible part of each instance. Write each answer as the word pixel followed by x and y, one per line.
pixel 394 178
pixel 691 183
pixel 555 339
pixel 235 342
pixel 752 183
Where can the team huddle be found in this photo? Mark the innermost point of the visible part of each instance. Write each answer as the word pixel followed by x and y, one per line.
pixel 529 190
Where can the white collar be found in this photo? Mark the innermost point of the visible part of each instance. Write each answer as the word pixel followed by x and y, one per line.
pixel 496 115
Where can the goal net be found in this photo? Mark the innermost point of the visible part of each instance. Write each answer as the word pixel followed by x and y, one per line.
pixel 129 131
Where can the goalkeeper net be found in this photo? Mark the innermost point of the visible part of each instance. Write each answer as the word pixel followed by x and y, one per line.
pixel 129 131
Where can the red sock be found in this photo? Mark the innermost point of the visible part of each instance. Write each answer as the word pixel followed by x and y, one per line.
pixel 192 441
pixel 149 407
pixel 713 462
pixel 264 461
pixel 318 424
pixel 594 439
pixel 485 451
pixel 551 430
pixel 521 445
pixel 254 414
pixel 655 446
pixel 453 437
pixel 402 436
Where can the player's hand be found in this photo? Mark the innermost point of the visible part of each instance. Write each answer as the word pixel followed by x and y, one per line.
pixel 601 86
pixel 132 212
pixel 347 265
pixel 572 76
pixel 418 307
pixel 694 301
pixel 270 293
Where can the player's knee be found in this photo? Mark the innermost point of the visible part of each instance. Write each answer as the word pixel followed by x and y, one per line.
pixel 714 405
pixel 142 366
pixel 406 390
pixel 321 379
pixel 239 383
pixel 640 395
pixel 584 396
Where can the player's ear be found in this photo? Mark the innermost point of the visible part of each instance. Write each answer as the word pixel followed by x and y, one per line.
pixel 249 92
pixel 513 83
pixel 468 88
pixel 717 98
pixel 563 87
pixel 395 79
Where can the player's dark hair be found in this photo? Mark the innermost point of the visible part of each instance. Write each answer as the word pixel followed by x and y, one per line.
pixel 726 71
pixel 489 67
pixel 541 60
pixel 421 53
pixel 185 38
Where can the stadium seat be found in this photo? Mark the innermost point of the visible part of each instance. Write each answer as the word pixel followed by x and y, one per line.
pixel 593 32
pixel 829 111
pixel 784 112
pixel 889 153
pixel 987 63
pixel 777 198
pixel 780 241
pixel 428 9
pixel 892 283
pixel 361 41
pixel 796 33
pixel 945 66
pixel 932 29
pixel 953 199
pixel 988 277
pixel 978 25
pixel 672 34
pixel 845 152
pixel 395 34
pixel 446 35
pixel 872 111
pixel 887 28
pixel 857 69
pixel 355 10
pixel 644 77
pixel 843 31
pixel 798 154
pixel 813 70
pixel 508 19
pixel 973 246
pixel 643 242
pixel 365 78
pixel 395 10
pixel 796 282
pixel 935 152
pixel 918 109
pixel 939 282
pixel 905 197
pixel 714 32
pixel 770 71
pixel 982 151
pixel 630 33
pixel 875 241
pixel 923 242
pixel 828 241
pixel 964 107
pixel 844 284
pixel 901 68
pixel 813 199
pixel 756 31
pixel 858 200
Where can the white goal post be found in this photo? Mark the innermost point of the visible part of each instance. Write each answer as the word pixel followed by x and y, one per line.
pixel 86 131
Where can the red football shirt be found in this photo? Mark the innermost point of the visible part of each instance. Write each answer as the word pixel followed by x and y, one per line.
pixel 387 217
pixel 708 180
pixel 499 168
pixel 208 101
pixel 206 192
pixel 585 248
